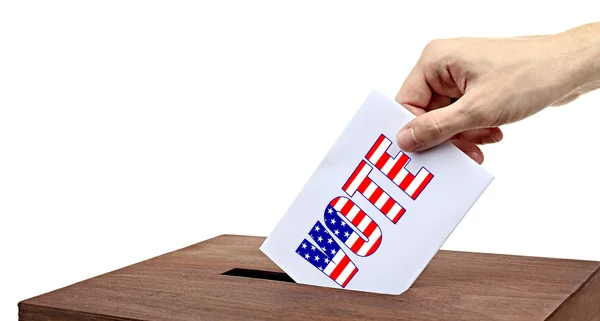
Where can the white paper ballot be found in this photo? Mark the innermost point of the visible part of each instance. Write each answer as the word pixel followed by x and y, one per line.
pixel 371 217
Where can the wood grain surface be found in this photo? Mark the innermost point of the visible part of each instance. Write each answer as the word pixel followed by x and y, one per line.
pixel 188 285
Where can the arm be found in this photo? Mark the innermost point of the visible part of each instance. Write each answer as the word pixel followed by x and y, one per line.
pixel 585 44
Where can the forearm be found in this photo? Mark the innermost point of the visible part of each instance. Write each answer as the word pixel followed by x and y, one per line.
pixel 582 56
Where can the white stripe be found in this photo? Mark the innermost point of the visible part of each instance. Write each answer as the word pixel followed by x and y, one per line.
pixel 329 268
pixel 360 177
pixel 401 175
pixel 364 223
pixel 382 199
pixel 352 239
pixel 338 257
pixel 380 150
pixel 394 211
pixel 372 240
pixel 352 213
pixel 388 165
pixel 346 273
pixel 340 203
pixel 370 189
pixel 412 188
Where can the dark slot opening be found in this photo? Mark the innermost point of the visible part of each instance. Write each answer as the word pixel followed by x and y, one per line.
pixel 258 274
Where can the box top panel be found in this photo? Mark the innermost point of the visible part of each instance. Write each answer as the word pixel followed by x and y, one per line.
pixel 189 285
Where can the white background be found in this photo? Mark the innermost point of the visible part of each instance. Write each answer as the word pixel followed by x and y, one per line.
pixel 133 128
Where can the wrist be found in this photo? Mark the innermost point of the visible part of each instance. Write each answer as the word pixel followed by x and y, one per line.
pixel 581 55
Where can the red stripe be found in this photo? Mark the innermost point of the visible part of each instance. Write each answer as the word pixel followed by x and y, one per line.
pixel 363 186
pixel 339 267
pixel 376 194
pixel 353 176
pixel 406 181
pixel 350 277
pixel 375 147
pixel 358 218
pixel 398 166
pixel 334 201
pixel 382 160
pixel 385 209
pixel 369 229
pixel 374 247
pixel 399 215
pixel 347 207
pixel 422 186
pixel 357 245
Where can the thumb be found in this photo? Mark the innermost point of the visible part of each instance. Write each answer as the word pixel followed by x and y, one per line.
pixel 434 127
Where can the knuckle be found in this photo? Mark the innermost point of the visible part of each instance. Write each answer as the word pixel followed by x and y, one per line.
pixel 432 50
pixel 433 127
pixel 433 45
pixel 437 51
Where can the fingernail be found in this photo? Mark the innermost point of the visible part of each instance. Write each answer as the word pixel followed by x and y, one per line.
pixel 406 140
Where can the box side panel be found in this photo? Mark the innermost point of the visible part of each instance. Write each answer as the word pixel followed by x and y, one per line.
pixel 583 305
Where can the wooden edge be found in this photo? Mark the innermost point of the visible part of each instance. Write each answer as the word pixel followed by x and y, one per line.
pixel 581 305
pixel 32 312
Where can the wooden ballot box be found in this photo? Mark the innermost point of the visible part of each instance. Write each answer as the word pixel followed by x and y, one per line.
pixel 228 278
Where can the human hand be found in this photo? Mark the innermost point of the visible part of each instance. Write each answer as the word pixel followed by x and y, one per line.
pixel 493 82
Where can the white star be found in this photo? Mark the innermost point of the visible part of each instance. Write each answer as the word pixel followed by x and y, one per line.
pixel 312 247
pixel 317 258
pixel 317 228
pixel 346 234
pixel 324 249
pixel 333 252
pixel 326 260
pixel 303 245
pixel 320 239
pixel 330 211
pixel 321 268
pixel 333 221
pixel 307 256
pixel 330 240
pixel 336 232
pixel 343 223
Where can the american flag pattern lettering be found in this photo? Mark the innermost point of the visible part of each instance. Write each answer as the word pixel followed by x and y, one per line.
pixel 395 168
pixel 361 182
pixel 342 206
pixel 352 226
pixel 328 257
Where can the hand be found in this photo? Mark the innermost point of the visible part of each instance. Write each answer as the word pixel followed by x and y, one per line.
pixel 462 90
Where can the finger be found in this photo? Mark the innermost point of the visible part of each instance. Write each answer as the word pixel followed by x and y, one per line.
pixel 438 101
pixel 414 110
pixel 441 80
pixel 432 128
pixel 470 149
pixel 481 136
pixel 415 92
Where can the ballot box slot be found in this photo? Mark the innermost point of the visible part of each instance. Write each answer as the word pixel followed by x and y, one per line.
pixel 258 274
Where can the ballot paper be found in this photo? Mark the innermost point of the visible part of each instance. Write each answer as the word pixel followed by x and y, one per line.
pixel 371 216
